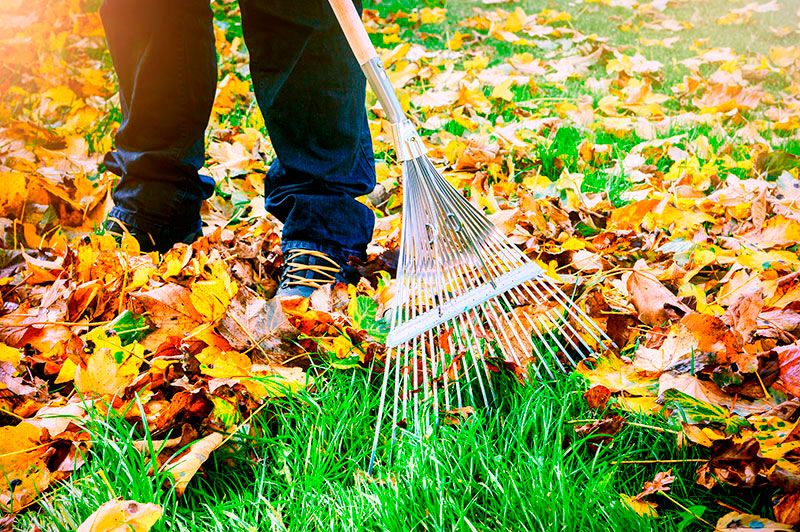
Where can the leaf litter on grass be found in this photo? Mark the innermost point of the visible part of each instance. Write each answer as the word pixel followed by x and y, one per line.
pixel 664 196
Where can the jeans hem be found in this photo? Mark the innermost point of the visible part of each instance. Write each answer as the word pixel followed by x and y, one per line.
pixel 336 252
pixel 152 226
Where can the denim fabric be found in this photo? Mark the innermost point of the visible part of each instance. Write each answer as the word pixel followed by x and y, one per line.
pixel 310 90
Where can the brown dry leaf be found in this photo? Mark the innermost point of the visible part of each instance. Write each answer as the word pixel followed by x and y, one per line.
pixel 789 363
pixel 710 393
pixel 654 303
pixel 457 416
pixel 659 484
pixel 170 309
pixel 743 314
pixel 780 324
pixel 735 464
pixel 704 436
pixel 600 431
pixel 252 321
pixel 122 516
pixel 678 347
pixel 184 467
pixel 56 419
pixel 787 509
pixel 597 396
pixel 787 291
pixel 185 407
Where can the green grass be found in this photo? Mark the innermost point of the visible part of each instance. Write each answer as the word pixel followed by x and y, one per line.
pixel 301 466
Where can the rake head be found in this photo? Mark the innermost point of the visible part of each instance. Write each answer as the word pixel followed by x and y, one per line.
pixel 467 302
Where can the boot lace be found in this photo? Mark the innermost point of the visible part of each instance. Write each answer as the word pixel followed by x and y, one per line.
pixel 322 274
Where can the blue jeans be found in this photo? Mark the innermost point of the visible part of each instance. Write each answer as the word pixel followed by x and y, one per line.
pixel 310 90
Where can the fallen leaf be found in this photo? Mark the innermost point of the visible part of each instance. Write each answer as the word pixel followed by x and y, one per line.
pixel 787 509
pixel 184 467
pixel 597 397
pixel 122 516
pixel 659 484
pixel 654 304
pixel 789 363
pixel 739 522
pixel 643 508
pixel 734 464
pixel 613 373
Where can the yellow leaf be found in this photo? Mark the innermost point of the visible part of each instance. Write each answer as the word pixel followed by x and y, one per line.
pixel 342 347
pixel 618 376
pixel 276 381
pixel 67 372
pixel 21 463
pixel 223 364
pixel 503 90
pixel 573 244
pixel 61 96
pixel 639 405
pixel 643 508
pixel 10 354
pixel 515 21
pixel 111 367
pixel 30 479
pixel 434 15
pixel 141 276
pixel 12 193
pixel 476 63
pixel 210 298
pixel 456 41
pixel 122 516
pixel 391 39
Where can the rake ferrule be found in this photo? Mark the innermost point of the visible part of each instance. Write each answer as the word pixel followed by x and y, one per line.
pixel 406 139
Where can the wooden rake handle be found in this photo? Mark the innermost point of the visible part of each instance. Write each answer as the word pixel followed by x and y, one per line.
pixel 354 30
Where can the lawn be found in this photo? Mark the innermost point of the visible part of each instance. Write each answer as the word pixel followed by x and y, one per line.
pixel 561 127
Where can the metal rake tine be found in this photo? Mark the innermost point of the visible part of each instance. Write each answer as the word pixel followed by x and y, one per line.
pixel 555 320
pixel 577 314
pixel 536 330
pixel 475 354
pixel 493 266
pixel 439 292
pixel 570 305
pixel 381 406
pixel 463 276
pixel 564 302
pixel 474 283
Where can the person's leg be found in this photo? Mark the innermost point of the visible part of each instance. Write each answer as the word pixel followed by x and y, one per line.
pixel 311 91
pixel 163 53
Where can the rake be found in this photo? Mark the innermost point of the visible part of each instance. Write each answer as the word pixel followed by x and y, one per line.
pixel 467 300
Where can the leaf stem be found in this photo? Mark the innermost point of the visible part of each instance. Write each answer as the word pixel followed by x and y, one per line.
pixel 674 461
pixel 687 510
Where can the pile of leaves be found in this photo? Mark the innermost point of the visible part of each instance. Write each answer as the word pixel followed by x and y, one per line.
pixel 671 202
